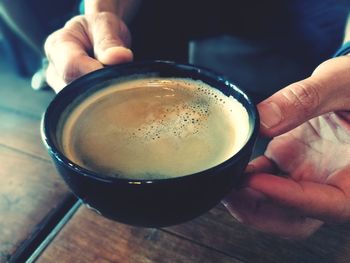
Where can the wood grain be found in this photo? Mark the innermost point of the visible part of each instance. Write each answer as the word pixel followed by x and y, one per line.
pixel 21 109
pixel 213 237
pixel 17 95
pixel 22 133
pixel 89 237
pixel 29 190
pixel 219 230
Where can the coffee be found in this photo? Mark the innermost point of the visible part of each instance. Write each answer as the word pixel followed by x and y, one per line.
pixel 153 128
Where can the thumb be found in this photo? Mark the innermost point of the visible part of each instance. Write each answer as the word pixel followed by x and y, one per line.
pixel 110 37
pixel 326 90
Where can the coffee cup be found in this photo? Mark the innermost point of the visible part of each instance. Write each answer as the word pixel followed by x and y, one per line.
pixel 151 144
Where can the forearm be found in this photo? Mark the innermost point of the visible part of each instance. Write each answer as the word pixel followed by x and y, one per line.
pixel 124 9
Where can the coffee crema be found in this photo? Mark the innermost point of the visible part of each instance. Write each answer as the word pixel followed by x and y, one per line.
pixel 154 128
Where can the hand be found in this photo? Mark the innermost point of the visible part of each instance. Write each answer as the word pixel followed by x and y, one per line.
pixel 303 179
pixel 86 43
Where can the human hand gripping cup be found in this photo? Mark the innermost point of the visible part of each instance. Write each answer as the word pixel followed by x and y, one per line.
pixel 86 43
pixel 303 178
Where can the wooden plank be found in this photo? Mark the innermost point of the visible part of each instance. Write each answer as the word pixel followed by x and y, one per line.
pixel 16 94
pixel 219 230
pixel 89 237
pixel 21 132
pixel 21 109
pixel 29 190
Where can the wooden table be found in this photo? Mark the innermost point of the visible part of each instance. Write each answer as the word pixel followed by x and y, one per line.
pixel 41 221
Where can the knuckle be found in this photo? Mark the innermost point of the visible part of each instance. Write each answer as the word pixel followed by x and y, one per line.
pixel 51 40
pixel 77 26
pixel 54 40
pixel 303 96
pixel 80 19
pixel 74 29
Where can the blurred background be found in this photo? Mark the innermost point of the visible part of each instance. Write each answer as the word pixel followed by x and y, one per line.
pixel 24 26
pixel 260 45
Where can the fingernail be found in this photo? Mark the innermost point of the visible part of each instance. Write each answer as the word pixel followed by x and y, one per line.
pixel 270 114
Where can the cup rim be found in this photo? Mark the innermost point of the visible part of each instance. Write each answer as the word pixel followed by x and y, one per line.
pixel 61 157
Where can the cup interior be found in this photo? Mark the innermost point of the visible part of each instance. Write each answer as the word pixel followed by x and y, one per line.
pixel 79 90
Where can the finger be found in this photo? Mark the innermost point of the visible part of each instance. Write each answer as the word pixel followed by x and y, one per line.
pixel 66 50
pixel 261 164
pixel 328 89
pixel 52 78
pixel 110 38
pixel 322 201
pixel 256 210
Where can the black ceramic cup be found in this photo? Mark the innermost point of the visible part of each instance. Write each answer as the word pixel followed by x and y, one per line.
pixel 148 203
